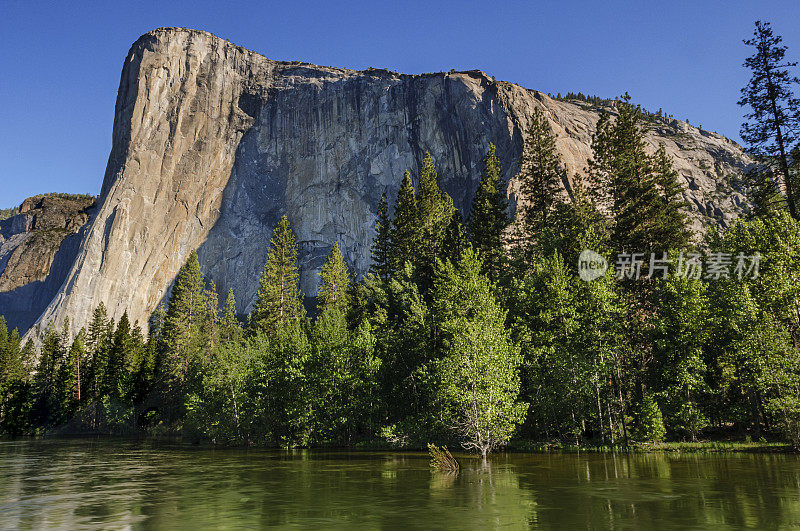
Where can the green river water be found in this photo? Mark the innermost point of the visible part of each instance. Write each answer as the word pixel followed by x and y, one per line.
pixel 102 484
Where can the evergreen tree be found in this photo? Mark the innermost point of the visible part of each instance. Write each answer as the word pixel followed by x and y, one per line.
pixel 279 299
pixel 637 190
pixel 230 329
pixel 98 344
pixel 455 239
pixel 116 366
pixel 434 211
pixel 764 193
pixel 773 121
pixel 335 282
pixel 541 176
pixel 382 245
pixel 181 334
pixel 405 226
pixel 488 217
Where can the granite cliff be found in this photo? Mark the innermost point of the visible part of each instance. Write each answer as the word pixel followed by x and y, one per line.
pixel 212 143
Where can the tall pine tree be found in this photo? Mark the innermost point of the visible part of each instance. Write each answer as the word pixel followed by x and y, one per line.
pixel 488 217
pixel 382 246
pixel 279 299
pixel 773 122
pixel 334 288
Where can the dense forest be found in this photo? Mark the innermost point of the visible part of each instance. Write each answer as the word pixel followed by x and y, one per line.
pixel 477 332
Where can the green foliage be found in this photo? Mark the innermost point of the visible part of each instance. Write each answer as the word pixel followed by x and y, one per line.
pixel 541 178
pixel 382 245
pixel 479 368
pixel 639 192
pixel 279 300
pixel 334 288
pixel 650 424
pixel 427 348
pixel 773 119
pixel 488 217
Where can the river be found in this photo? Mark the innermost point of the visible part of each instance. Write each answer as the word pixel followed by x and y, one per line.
pixel 106 484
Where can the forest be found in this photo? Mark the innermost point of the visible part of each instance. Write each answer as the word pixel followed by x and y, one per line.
pixel 476 332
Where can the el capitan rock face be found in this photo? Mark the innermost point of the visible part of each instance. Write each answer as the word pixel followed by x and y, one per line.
pixel 212 143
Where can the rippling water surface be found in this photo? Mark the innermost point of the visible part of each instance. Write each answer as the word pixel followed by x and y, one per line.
pixel 101 484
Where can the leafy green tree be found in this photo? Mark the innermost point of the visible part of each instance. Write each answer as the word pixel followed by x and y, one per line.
pixel 479 369
pixel 650 423
pixel 679 328
pixel 279 299
pixel 773 121
pixel 488 217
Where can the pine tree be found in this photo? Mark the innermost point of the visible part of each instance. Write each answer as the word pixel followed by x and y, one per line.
pixel 98 344
pixel 673 226
pixel 773 122
pixel 488 217
pixel 405 233
pixel 334 288
pixel 541 176
pixel 434 211
pixel 180 336
pixel 279 299
pixel 230 329
pixel 121 346
pixel 638 191
pixel 455 239
pixel 382 245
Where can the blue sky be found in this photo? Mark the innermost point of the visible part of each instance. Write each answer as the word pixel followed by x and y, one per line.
pixel 60 63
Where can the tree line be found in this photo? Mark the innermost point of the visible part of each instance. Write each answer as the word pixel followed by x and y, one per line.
pixel 476 331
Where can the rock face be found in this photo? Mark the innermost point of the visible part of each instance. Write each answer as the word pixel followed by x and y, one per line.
pixel 31 242
pixel 212 143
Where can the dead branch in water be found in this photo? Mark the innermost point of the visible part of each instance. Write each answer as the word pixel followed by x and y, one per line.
pixel 442 459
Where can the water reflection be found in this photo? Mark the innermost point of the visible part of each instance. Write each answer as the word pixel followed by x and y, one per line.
pixel 104 484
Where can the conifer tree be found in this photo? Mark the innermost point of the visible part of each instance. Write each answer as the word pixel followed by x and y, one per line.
pixel 186 312
pixel 121 346
pixel 334 288
pixel 98 344
pixel 541 176
pixel 405 226
pixel 764 193
pixel 77 360
pixel 434 211
pixel 773 122
pixel 455 239
pixel 488 217
pixel 637 190
pixel 382 245
pixel 230 329
pixel 279 299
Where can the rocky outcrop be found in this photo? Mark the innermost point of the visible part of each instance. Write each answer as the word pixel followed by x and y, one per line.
pixel 212 143
pixel 30 240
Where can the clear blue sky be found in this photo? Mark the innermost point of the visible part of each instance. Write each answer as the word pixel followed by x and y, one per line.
pixel 60 63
